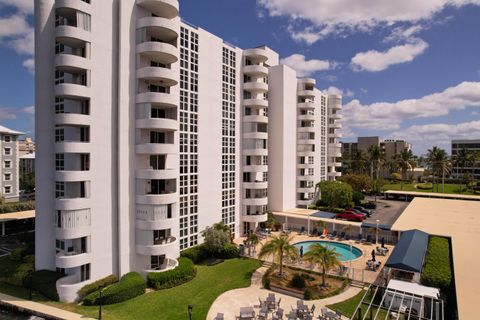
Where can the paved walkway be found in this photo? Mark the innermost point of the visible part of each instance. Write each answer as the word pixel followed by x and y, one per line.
pixel 229 303
pixel 40 309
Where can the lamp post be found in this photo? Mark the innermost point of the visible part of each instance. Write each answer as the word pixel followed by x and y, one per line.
pixel 100 303
pixel 190 309
pixel 376 239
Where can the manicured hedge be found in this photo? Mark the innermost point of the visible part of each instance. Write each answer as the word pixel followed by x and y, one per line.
pixel 44 281
pixel 17 206
pixel 21 274
pixel 130 286
pixel 424 186
pixel 94 286
pixel 437 270
pixel 199 253
pixel 230 251
pixel 184 272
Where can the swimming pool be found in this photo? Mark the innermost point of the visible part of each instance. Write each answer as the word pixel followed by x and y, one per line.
pixel 341 248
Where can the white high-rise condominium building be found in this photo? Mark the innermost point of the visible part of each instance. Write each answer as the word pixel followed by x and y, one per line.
pixel 149 129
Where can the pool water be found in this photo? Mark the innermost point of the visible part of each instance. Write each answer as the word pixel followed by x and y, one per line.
pixel 341 248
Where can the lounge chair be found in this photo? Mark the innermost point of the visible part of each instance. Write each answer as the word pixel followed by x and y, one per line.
pixel 359 238
pixel 302 230
pixel 333 235
pixel 219 317
pixel 342 235
pixel 314 232
pixel 369 239
pixel 278 315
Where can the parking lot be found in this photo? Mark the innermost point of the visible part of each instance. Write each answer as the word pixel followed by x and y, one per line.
pixel 387 211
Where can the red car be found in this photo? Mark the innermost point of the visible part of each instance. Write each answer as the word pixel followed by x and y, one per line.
pixel 350 216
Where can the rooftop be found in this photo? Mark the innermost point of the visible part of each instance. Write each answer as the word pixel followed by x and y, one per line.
pixel 28 156
pixel 6 130
pixel 409 252
pixel 460 221
pixel 433 195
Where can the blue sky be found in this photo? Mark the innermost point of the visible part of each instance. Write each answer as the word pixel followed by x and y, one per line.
pixel 407 69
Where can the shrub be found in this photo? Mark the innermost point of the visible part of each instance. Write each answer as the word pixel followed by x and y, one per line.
pixel 297 281
pixel 229 251
pixel 184 272
pixel 20 275
pixel 94 286
pixel 17 206
pixel 44 281
pixel 335 193
pixel 425 186
pixel 17 254
pixel 197 253
pixel 29 258
pixel 357 197
pixel 437 271
pixel 130 286
pixel 307 294
pixel 307 277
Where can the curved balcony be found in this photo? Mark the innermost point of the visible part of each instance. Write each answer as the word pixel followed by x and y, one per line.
pixel 164 76
pixel 307 81
pixel 73 119
pixel 304 202
pixel 74 4
pixel 169 264
pixel 255 218
pixel 306 190
pixel 335 116
pixel 305 165
pixel 255 70
pixel 255 201
pixel 307 141
pixel 162 124
pixel 335 135
pixel 161 8
pixel 70 62
pixel 165 99
pixel 73 33
pixel 306 178
pixel 255 152
pixel 158 51
pixel 306 105
pixel 255 185
pixel 68 286
pixel 335 125
pixel 66 260
pixel 335 106
pixel 168 247
pixel 71 90
pixel 306 129
pixel 255 135
pixel 156 148
pixel 72 204
pixel 162 28
pixel 255 86
pixel 255 168
pixel 337 145
pixel 72 147
pixel 257 54
pixel 72 176
pixel 255 118
pixel 306 93
pixel 72 233
pixel 255 103
pixel 334 174
pixel 156 224
pixel 157 198
pixel 306 117
pixel 305 153
pixel 156 174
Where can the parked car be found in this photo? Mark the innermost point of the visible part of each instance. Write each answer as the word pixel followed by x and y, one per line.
pixel 350 216
pixel 358 212
pixel 364 210
pixel 370 205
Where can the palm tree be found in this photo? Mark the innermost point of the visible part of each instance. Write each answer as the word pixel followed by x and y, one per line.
pixel 375 157
pixel 252 241
pixel 280 247
pixel 405 162
pixel 391 166
pixel 359 162
pixel 473 160
pixel 324 257
pixel 437 160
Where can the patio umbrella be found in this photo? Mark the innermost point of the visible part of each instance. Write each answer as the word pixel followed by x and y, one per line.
pixel 301 251
pixel 373 255
pixel 383 242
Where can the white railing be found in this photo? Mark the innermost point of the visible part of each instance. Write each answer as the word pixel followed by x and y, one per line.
pixel 74 219
pixel 154 213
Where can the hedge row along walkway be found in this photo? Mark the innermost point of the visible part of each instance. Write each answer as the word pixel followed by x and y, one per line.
pixel 39 309
pixel 230 302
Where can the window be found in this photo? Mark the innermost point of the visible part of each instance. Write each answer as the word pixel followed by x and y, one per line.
pixel 7 151
pixel 157 162
pixel 85 272
pixel 7 189
pixel 59 135
pixel 7 176
pixel 59 189
pixel 158 113
pixel 59 106
pixel 7 164
pixel 7 138
pixel 156 262
pixel 59 161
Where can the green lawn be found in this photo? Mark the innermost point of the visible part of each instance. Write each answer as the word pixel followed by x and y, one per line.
pixel 347 307
pixel 209 283
pixel 449 188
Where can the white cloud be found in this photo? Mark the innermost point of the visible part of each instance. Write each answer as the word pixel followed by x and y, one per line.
pixel 30 65
pixel 16 33
pixel 403 33
pixel 304 67
pixel 375 61
pixel 325 17
pixel 13 26
pixel 334 90
pixel 7 113
pixel 24 6
pixel 29 109
pixel 390 115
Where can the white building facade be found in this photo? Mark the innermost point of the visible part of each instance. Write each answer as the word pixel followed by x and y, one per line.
pixel 10 164
pixel 158 129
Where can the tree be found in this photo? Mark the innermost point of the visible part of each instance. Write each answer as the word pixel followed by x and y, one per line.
pixel 359 182
pixel 252 242
pixel 280 247
pixel 221 226
pixel 215 240
pixel 405 162
pixel 358 162
pixel 376 156
pixel 437 160
pixel 335 193
pixel 324 257
pixel 27 182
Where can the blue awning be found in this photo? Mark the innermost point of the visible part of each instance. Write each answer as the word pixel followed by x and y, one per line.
pixel 409 252
pixel 323 214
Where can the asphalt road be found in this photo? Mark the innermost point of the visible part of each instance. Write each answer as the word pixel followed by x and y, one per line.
pixel 387 211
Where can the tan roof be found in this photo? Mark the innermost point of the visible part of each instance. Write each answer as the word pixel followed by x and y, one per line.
pixel 459 220
pixel 306 214
pixel 17 215
pixel 434 195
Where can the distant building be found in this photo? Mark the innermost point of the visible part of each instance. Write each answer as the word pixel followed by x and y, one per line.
pixel 9 163
pixel 26 146
pixel 27 164
pixel 470 146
